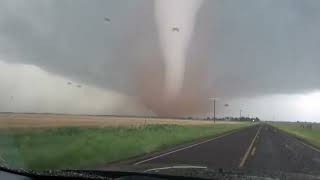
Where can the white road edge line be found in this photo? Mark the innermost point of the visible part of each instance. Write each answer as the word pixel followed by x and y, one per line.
pixel 187 147
pixel 176 167
pixel 307 145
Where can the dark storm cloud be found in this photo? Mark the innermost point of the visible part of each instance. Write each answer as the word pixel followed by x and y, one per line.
pixel 258 47
pixel 73 39
pixel 239 48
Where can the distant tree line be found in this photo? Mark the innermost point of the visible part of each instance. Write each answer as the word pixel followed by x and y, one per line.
pixel 255 119
pixel 305 124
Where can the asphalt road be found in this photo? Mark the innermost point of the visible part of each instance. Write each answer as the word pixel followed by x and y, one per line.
pixel 260 147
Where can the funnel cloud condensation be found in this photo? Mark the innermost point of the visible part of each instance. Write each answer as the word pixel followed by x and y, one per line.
pixel 178 16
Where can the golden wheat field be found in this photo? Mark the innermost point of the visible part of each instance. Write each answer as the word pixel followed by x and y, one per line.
pixel 20 120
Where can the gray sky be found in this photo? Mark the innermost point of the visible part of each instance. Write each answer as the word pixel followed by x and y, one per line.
pixel 259 56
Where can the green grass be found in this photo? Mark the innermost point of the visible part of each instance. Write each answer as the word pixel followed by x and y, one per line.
pixel 311 135
pixel 80 147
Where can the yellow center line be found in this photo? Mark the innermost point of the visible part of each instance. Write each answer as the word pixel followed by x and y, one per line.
pixel 245 157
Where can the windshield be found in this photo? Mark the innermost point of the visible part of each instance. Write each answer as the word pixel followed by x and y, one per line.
pixel 138 85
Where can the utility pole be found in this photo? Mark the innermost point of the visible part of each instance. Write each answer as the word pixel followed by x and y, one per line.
pixel 214 111
pixel 240 114
pixel 214 108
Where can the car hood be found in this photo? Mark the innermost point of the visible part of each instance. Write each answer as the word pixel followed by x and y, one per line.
pixel 163 172
pixel 214 173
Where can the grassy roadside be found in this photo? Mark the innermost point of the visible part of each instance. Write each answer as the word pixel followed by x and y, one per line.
pixel 75 147
pixel 311 135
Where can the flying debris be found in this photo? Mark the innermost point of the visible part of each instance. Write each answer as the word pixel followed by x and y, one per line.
pixel 79 86
pixel 175 29
pixel 11 97
pixel 226 105
pixel 107 19
pixel 69 83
